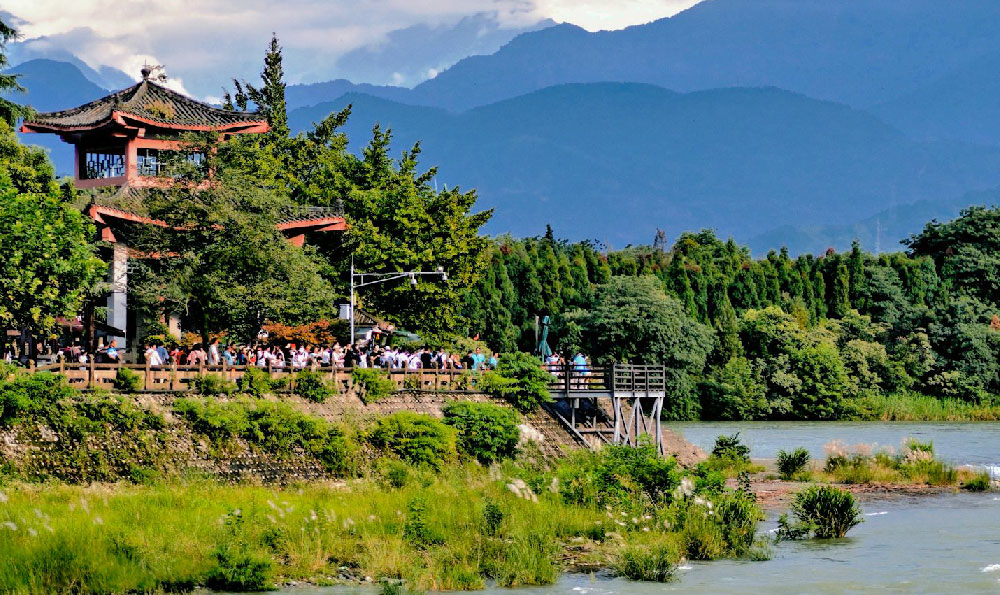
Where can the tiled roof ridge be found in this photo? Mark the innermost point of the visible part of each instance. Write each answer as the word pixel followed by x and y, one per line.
pixel 135 101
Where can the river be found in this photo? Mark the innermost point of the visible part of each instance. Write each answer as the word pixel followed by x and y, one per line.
pixel 946 543
pixel 958 443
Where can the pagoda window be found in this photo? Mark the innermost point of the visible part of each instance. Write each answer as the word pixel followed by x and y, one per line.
pixel 154 162
pixel 103 163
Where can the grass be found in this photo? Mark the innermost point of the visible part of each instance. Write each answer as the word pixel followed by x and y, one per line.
pixel 453 529
pixel 915 407
pixel 913 465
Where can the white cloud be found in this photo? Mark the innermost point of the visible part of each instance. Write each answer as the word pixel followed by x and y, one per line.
pixel 207 41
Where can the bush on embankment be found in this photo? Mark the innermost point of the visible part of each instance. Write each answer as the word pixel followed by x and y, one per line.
pixel 272 426
pixel 486 432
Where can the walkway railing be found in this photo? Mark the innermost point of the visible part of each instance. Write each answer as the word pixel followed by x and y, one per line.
pixel 180 378
pixel 571 378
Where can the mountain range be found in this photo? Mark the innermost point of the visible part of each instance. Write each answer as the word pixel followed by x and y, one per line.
pixel 798 122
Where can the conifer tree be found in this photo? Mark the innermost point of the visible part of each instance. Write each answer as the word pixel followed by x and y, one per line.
pixel 10 112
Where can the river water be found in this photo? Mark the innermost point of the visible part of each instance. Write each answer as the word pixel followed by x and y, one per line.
pixel 946 543
pixel 962 443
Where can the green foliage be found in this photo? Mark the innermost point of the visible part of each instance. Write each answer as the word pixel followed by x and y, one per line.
pixel 212 385
pixel 618 474
pixel 313 386
pixel 651 558
pixel 486 432
pixel 415 438
pixel 50 264
pixel 30 394
pixel 255 382
pixel 492 518
pixel 731 448
pixel 519 378
pixel 275 427
pixel 791 464
pixel 374 385
pixel 980 483
pixel 416 529
pixel 10 112
pixel 127 381
pixel 238 567
pixel 824 512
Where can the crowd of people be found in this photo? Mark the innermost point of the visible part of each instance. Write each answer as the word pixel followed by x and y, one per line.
pixel 299 356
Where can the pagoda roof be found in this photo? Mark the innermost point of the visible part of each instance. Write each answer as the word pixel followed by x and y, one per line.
pixel 149 103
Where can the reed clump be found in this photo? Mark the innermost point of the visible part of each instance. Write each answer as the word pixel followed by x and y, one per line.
pixel 914 463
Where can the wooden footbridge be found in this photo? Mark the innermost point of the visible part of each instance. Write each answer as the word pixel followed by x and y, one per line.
pixel 610 404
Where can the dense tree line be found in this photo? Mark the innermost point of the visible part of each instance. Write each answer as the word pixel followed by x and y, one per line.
pixel 810 337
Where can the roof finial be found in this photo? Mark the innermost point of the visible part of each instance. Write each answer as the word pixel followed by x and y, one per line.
pixel 148 70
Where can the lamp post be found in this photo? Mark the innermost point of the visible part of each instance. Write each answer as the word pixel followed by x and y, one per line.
pixel 358 281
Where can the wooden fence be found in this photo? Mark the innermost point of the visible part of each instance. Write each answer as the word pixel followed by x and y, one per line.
pixel 176 378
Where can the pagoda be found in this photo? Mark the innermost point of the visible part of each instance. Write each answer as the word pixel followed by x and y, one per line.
pixel 125 141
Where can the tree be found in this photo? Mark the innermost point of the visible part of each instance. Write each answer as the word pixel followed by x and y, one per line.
pixel 49 265
pixel 634 321
pixel 269 98
pixel 966 251
pixel 399 222
pixel 10 112
pixel 220 260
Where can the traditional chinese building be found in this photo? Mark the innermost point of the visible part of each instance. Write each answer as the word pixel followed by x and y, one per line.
pixel 124 141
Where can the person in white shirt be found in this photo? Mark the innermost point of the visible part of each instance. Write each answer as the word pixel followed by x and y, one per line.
pixel 213 353
pixel 152 357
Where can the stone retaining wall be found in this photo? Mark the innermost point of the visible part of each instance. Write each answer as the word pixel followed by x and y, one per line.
pixel 38 452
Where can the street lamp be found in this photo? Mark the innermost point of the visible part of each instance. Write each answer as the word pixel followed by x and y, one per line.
pixel 358 281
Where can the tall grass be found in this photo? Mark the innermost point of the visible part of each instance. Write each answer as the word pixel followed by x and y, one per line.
pixel 454 529
pixel 915 407
pixel 914 464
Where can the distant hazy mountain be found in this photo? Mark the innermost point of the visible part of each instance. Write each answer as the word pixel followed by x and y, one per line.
pixel 615 161
pixel 860 52
pixel 52 86
pixel 105 77
pixel 962 104
pixel 414 54
pixel 881 232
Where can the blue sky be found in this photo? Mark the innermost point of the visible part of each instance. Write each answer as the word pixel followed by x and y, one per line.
pixel 205 42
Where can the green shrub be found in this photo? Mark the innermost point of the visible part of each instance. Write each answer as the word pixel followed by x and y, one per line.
pixel 648 557
pixel 617 474
pixel 30 393
pixel 313 387
pixel 519 378
pixel 792 463
pixel 216 420
pixel 275 427
pixel 416 438
pixel 212 385
pixel 238 569
pixel 492 518
pixel 373 385
pixel 411 382
pixel 255 382
pixel 822 511
pixel 416 531
pixel 127 381
pixel 395 474
pixel 731 448
pixel 979 483
pixel 486 431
